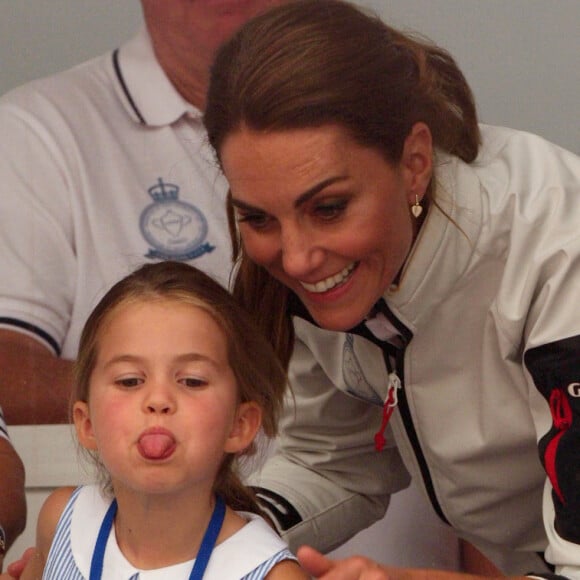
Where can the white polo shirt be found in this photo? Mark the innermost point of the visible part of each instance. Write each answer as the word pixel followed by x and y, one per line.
pixel 102 167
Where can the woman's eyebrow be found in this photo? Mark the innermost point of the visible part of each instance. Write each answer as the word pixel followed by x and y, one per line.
pixel 243 205
pixel 300 200
pixel 310 193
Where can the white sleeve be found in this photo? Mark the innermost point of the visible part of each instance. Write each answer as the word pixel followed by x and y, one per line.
pixel 37 235
pixel 552 357
pixel 327 479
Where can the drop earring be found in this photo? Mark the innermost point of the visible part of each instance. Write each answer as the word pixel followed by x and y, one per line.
pixel 416 208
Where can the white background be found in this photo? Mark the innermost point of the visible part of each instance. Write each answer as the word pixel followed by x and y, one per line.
pixel 520 56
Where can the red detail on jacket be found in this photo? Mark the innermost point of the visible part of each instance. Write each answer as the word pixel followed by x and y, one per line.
pixel 388 409
pixel 562 416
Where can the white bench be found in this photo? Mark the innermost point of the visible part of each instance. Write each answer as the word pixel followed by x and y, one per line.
pixel 51 460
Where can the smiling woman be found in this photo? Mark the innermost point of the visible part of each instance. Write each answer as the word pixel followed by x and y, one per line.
pixel 277 96
pixel 319 234
pixel 381 234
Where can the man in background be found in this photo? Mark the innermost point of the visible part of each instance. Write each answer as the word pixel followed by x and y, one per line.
pixel 103 167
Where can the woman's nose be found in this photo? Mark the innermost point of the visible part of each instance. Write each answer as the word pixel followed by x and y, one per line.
pixel 301 255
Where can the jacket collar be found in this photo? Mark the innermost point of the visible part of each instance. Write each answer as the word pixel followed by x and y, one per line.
pixel 445 245
pixel 143 87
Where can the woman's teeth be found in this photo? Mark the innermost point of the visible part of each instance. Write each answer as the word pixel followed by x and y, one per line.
pixel 330 282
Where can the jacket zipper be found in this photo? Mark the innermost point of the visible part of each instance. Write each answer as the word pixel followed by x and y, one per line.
pixel 403 405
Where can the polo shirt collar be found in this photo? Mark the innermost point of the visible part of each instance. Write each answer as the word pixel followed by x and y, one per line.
pixel 145 90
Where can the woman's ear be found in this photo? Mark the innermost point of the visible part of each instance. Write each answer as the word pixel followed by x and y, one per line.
pixel 417 162
pixel 247 423
pixel 84 425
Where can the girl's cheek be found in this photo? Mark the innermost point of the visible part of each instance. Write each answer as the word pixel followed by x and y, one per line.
pixel 110 417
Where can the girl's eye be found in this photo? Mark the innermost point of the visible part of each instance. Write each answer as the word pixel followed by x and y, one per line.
pixel 329 211
pixel 129 382
pixel 192 382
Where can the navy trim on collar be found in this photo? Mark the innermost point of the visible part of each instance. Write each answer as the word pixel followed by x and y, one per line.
pixel 123 84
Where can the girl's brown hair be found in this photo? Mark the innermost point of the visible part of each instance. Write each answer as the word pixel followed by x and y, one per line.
pixel 314 62
pixel 259 375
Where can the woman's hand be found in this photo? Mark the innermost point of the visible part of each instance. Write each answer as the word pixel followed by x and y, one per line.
pixel 15 569
pixel 354 568
pixel 360 568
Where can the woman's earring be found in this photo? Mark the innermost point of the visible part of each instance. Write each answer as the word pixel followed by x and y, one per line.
pixel 416 208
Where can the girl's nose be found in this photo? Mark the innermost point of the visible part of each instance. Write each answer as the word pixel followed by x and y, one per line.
pixel 159 399
pixel 159 407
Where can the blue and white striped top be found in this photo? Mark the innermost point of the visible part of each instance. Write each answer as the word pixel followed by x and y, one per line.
pixel 3 428
pixel 247 555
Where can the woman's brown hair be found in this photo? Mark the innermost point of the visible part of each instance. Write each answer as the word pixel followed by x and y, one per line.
pixel 310 63
pixel 259 375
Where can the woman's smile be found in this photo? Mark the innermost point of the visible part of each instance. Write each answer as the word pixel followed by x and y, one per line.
pixel 330 282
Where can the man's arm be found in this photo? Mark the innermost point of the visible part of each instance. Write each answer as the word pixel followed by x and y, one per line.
pixel 35 385
pixel 12 503
pixel 37 258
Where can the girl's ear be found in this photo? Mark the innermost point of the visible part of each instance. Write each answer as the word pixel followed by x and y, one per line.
pixel 247 423
pixel 417 162
pixel 84 425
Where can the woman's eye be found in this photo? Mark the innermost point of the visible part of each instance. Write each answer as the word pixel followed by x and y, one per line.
pixel 328 211
pixel 256 220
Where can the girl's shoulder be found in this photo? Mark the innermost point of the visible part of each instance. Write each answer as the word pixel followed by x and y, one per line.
pixel 51 511
pixel 287 570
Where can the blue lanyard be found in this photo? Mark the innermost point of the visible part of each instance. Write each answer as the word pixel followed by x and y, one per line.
pixel 203 556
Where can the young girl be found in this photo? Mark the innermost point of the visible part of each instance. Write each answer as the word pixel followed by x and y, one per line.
pixel 172 385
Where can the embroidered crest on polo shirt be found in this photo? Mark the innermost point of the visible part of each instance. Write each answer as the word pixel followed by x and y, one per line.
pixel 175 229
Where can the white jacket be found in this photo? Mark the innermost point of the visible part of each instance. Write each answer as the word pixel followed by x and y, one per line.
pixel 486 327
